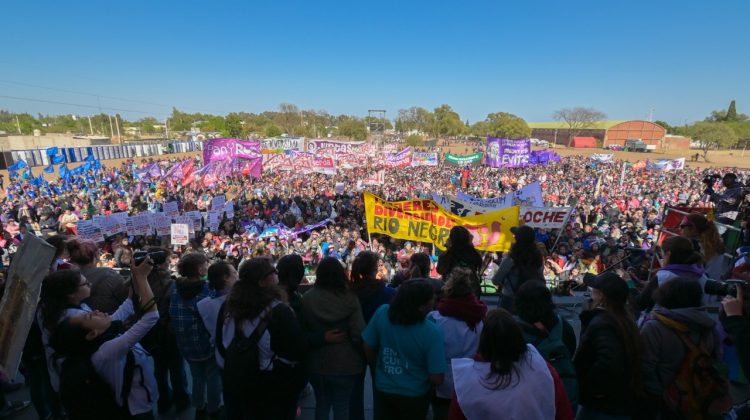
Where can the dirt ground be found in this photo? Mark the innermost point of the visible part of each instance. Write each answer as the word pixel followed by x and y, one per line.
pixel 717 159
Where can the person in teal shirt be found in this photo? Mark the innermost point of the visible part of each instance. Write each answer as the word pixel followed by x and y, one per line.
pixel 406 351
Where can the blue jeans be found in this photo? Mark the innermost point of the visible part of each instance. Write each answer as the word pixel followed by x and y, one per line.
pixel 206 384
pixel 333 392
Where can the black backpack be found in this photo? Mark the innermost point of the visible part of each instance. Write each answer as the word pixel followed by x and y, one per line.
pixel 242 357
pixel 86 396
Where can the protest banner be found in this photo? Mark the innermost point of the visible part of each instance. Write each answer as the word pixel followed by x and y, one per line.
pixel 196 220
pixel 279 144
pixel 180 234
pixel 171 209
pixel 602 158
pixel 463 160
pixel 401 159
pixel 87 230
pixel 18 306
pixel 229 209
pixel 506 153
pixel 324 165
pixel 425 221
pixel 227 149
pixel 161 222
pixel 217 203
pixel 665 165
pixel 530 196
pixel 424 159
pixel 545 217
pixel 335 147
pixel 375 178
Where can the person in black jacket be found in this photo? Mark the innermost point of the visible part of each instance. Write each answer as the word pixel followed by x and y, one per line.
pixel 608 358
pixel 460 253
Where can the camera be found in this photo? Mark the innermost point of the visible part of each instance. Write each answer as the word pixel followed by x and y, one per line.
pixel 157 257
pixel 725 288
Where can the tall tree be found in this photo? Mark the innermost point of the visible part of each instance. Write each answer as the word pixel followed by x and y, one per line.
pixel 290 118
pixel 712 135
pixel 505 125
pixel 234 126
pixel 665 125
pixel 578 119
pixel 446 122
pixel 731 112
pixel 352 128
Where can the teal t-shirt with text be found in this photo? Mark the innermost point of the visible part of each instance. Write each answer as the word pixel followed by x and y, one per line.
pixel 407 354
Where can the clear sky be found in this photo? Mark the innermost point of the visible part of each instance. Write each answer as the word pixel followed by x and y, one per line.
pixel 624 57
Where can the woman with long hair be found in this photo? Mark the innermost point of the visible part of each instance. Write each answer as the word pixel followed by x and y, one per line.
pixel 101 341
pixel 333 318
pixel 507 378
pixel 371 291
pixel 256 301
pixel 459 315
pixel 523 263
pixel 406 353
pixel 609 355
pixel 704 233
pixel 108 287
pixel 460 252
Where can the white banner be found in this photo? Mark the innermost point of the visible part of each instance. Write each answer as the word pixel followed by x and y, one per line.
pixel 530 196
pixel 602 157
pixel 180 234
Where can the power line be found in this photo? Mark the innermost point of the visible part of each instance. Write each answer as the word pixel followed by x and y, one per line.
pixel 12 82
pixel 81 105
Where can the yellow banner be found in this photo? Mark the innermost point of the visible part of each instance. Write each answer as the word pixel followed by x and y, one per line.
pixel 426 221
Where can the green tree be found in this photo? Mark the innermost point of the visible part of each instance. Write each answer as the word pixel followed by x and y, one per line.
pixel 234 126
pixel 414 118
pixel 272 130
pixel 352 128
pixel 414 140
pixel 731 112
pixel 446 122
pixel 505 125
pixel 289 118
pixel 665 125
pixel 712 135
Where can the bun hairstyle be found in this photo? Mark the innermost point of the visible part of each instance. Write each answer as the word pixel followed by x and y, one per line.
pixel 459 282
pixel 82 252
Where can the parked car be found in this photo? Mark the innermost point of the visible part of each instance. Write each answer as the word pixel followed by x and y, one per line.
pixel 638 145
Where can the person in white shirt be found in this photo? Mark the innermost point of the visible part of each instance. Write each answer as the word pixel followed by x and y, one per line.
pixel 221 277
pixel 95 333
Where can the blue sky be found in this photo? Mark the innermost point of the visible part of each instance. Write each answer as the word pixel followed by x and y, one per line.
pixel 530 58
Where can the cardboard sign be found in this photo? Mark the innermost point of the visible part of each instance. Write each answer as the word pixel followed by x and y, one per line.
pixel 88 231
pixel 217 203
pixel 180 234
pixel 171 209
pixel 18 306
pixel 162 224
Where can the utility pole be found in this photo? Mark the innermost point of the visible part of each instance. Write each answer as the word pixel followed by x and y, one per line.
pixel 91 127
pixel 18 125
pixel 111 129
pixel 117 126
pixel 166 128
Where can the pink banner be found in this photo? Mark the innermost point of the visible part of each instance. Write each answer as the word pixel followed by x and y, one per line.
pixel 401 159
pixel 228 149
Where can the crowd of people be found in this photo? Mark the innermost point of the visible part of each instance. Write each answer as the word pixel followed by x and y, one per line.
pixel 254 318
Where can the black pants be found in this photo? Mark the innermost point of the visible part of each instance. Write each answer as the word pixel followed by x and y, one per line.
pixel 169 366
pixel 401 407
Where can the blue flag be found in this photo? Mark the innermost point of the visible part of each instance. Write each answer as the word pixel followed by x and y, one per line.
pixel 52 151
pixel 18 165
pixel 56 160
pixel 49 169
pixel 90 158
pixel 63 172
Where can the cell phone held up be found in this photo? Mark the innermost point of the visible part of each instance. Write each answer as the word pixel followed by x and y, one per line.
pixel 157 257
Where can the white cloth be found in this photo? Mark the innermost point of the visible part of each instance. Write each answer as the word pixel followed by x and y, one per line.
pixel 460 342
pixel 109 363
pixel 530 395
pixel 208 308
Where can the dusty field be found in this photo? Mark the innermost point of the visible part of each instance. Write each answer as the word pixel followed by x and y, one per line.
pixel 718 159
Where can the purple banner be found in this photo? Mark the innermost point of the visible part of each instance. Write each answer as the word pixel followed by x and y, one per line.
pixel 505 153
pixel 228 149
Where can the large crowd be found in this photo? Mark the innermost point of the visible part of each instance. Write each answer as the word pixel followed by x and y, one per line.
pixel 256 318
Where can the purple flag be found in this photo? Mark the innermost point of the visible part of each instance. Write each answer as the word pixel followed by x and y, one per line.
pixel 228 149
pixel 505 153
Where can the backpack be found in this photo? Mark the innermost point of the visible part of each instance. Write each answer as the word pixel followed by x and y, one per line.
pixel 242 356
pixel 556 353
pixel 700 388
pixel 85 395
